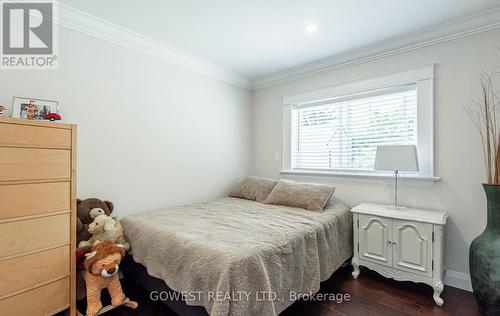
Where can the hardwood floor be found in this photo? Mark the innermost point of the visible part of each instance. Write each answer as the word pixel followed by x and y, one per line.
pixel 370 294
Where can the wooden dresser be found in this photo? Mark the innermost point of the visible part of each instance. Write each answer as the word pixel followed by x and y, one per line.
pixel 37 217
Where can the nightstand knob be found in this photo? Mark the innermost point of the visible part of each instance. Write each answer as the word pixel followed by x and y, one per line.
pixel 394 244
pixel 388 242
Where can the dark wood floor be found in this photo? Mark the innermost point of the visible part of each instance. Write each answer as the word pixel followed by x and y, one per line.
pixel 370 294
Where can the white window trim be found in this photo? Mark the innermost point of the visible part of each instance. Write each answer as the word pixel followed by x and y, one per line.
pixel 423 78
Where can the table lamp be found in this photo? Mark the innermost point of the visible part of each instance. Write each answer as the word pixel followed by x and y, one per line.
pixel 396 158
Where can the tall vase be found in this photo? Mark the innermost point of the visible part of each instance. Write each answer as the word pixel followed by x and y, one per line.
pixel 484 257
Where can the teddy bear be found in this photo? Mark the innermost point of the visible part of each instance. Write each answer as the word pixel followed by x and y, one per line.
pixel 105 228
pixel 101 272
pixel 87 211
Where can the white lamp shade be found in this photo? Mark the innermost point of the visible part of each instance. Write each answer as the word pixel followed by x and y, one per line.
pixel 397 157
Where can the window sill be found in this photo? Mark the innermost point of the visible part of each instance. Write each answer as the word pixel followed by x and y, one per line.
pixel 364 176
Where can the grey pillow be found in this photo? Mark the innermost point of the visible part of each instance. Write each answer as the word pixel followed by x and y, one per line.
pixel 310 196
pixel 254 188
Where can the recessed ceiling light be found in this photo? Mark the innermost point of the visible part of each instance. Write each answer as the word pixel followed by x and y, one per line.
pixel 310 28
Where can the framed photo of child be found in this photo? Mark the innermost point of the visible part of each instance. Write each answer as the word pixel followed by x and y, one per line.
pixel 33 109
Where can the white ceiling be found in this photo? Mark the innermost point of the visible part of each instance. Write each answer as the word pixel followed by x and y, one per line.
pixel 258 37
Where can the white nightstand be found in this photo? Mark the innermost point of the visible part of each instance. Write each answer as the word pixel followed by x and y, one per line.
pixel 406 245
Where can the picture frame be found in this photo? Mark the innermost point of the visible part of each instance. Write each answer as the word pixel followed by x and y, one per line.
pixel 32 108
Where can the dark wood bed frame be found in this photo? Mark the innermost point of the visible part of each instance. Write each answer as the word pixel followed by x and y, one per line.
pixel 138 274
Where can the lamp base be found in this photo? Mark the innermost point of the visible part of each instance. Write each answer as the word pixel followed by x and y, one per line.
pixel 395 208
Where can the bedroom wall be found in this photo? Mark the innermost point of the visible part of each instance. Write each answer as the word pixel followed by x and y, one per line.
pixel 150 134
pixel 458 159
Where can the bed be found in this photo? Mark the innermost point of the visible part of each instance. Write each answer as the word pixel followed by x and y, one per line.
pixel 239 257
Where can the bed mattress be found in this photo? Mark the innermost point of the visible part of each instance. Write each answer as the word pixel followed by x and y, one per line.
pixel 239 257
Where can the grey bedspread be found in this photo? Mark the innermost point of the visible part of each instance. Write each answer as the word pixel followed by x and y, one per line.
pixel 240 257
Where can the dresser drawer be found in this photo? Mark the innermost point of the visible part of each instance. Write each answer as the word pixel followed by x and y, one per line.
pixel 45 300
pixel 26 272
pixel 18 164
pixel 31 199
pixel 18 237
pixel 34 136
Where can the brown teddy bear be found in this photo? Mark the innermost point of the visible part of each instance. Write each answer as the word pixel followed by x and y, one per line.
pixel 101 272
pixel 86 211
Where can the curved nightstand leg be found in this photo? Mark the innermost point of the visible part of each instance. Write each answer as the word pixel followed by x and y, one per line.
pixel 438 288
pixel 355 265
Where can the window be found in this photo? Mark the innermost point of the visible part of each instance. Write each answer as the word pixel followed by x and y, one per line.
pixel 344 134
pixel 337 130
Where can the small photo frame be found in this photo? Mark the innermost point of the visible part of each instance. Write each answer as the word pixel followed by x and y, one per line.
pixel 33 109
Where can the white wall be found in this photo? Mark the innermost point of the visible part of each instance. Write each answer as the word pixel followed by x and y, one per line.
pixel 153 135
pixel 458 159
pixel 150 134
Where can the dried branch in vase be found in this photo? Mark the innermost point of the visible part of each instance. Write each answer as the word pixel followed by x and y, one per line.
pixel 483 114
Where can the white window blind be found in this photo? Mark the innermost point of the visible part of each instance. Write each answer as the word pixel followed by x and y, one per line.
pixel 343 133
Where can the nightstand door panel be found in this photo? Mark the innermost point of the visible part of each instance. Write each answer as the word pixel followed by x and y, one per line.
pixel 374 239
pixel 412 247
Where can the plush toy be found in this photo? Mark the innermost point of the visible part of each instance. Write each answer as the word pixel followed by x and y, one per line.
pixel 105 228
pixel 81 291
pixel 87 211
pixel 101 272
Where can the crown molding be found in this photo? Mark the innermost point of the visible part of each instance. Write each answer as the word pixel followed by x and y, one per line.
pixel 94 26
pixel 448 31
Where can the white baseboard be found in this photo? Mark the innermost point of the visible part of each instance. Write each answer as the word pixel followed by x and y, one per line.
pixel 457 279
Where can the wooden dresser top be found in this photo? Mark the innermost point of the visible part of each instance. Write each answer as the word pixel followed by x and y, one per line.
pixel 39 123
